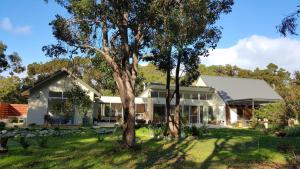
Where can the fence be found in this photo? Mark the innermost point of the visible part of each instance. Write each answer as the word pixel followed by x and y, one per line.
pixel 7 110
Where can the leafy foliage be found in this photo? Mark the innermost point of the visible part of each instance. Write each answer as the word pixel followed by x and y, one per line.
pixel 76 96
pixel 10 90
pixel 2 125
pixel 12 62
pixel 274 112
pixel 289 24
pixel 24 142
pixel 293 131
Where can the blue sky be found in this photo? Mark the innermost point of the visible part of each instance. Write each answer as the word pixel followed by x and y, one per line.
pixel 24 27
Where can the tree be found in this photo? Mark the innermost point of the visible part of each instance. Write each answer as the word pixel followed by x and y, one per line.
pixel 10 90
pixel 116 31
pixel 12 62
pixel 186 32
pixel 288 24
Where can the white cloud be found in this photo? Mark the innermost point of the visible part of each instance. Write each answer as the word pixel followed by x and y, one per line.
pixel 258 51
pixel 6 25
pixel 23 29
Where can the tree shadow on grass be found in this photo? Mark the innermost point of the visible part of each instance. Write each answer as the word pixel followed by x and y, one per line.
pixel 229 148
pixel 166 154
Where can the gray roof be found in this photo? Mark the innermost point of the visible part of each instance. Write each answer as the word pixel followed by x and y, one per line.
pixel 231 88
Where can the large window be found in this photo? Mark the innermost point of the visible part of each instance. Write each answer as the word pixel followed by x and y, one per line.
pixel 194 114
pixel 55 94
pixel 140 108
pixel 195 96
pixel 201 114
pixel 116 109
pixel 185 114
pixel 211 116
pixel 202 96
pixel 162 94
pixel 154 94
pixel 186 96
pixel 159 113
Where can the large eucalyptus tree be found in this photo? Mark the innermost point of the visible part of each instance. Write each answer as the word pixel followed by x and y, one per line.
pixel 188 31
pixel 117 31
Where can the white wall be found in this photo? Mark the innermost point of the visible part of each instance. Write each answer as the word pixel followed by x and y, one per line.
pixel 38 100
pixel 233 115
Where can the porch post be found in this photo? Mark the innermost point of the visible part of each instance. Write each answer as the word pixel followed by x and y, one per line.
pixel 244 122
pixel 253 107
pixel 109 112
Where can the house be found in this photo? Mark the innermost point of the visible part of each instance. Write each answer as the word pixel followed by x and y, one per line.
pixel 197 105
pixel 211 100
pixel 46 96
pixel 239 95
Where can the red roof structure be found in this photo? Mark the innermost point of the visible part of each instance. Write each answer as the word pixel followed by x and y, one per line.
pixel 12 110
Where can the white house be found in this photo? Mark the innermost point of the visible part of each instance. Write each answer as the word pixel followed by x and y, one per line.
pixel 211 100
pixel 45 94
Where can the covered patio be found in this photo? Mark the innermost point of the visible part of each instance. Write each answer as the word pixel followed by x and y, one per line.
pixel 245 109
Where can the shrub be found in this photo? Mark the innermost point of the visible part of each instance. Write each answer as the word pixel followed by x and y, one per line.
pixel 2 125
pixel 194 131
pixel 32 125
pixel 285 147
pixel 24 142
pixel 197 132
pixel 293 131
pixel 42 142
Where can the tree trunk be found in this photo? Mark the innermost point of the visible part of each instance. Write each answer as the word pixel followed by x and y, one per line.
pixel 127 96
pixel 168 105
pixel 129 121
pixel 177 102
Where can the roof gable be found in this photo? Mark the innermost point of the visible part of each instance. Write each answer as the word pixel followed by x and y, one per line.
pixel 62 72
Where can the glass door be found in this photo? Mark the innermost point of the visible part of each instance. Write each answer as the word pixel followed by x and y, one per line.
pixel 194 114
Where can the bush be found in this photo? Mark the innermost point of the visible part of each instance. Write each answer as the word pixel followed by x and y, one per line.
pixel 286 148
pixel 197 132
pixel 2 125
pixel 194 131
pixel 24 142
pixel 42 142
pixel 32 125
pixel 293 131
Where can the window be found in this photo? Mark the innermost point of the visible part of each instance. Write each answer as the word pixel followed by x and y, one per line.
pixel 209 96
pixel 185 114
pixel 211 116
pixel 55 94
pixel 159 113
pixel 116 109
pixel 194 114
pixel 162 94
pixel 154 94
pixel 186 96
pixel 201 114
pixel 140 108
pixel 195 96
pixel 202 96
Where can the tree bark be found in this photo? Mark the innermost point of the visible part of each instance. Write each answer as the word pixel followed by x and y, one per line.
pixel 168 104
pixel 127 97
pixel 176 125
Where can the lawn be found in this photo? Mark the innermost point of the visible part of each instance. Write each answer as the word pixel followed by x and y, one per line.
pixel 221 148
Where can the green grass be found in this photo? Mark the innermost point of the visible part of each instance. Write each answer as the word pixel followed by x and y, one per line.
pixel 221 148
